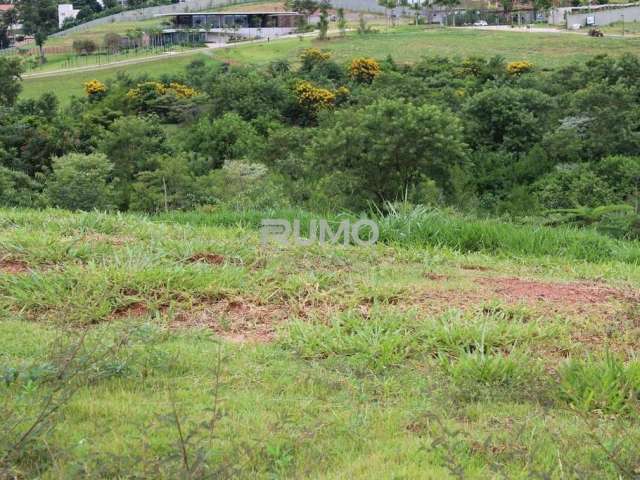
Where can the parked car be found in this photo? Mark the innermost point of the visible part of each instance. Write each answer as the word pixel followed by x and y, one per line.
pixel 481 23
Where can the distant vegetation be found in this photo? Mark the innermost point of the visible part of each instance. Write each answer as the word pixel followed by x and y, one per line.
pixel 484 136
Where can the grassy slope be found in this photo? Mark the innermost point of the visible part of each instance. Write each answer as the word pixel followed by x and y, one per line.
pixel 405 44
pixel 364 357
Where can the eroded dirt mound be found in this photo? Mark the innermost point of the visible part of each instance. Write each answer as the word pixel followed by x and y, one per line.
pixel 564 293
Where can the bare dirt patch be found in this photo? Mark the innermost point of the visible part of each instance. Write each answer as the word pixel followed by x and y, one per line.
pixel 210 258
pixel 133 310
pixel 236 320
pixel 13 267
pixel 575 293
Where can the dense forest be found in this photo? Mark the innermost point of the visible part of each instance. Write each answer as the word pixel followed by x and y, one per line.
pixel 478 135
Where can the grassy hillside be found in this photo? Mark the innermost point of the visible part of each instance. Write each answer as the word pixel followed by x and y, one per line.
pixel 405 44
pixel 180 346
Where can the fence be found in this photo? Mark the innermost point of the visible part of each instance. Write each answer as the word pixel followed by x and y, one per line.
pixel 604 16
pixel 370 6
pixel 149 12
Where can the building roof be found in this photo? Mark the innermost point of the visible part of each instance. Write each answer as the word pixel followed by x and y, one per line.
pixel 4 7
pixel 282 14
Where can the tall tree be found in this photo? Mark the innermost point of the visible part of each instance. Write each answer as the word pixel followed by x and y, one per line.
pixel 342 22
pixel 323 25
pixel 39 18
pixel 305 7
pixel 449 6
pixel 10 71
pixel 7 18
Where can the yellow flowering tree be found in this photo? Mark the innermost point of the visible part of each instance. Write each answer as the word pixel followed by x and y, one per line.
pixel 173 101
pixel 95 88
pixel 518 68
pixel 314 98
pixel 313 56
pixel 364 70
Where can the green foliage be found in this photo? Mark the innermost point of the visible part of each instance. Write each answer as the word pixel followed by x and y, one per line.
pixel 80 182
pixel 323 23
pixel 572 186
pixel 249 93
pixel 389 147
pixel 608 385
pixel 226 138
pixel 129 143
pixel 39 18
pixel 10 70
pixel 443 131
pixel 507 117
pixel 84 46
pixel 241 185
pixel 18 189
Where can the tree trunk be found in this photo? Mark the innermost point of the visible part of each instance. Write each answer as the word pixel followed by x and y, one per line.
pixel 43 59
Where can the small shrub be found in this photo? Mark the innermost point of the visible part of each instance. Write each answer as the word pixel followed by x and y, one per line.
pixel 518 68
pixel 112 42
pixel 79 182
pixel 95 88
pixel 364 70
pixel 480 375
pixel 314 98
pixel 313 56
pixel 84 46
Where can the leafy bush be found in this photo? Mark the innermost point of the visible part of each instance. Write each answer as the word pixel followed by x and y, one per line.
pixel 18 189
pixel 390 147
pixel 84 46
pixel 80 182
pixel 95 89
pixel 520 67
pixel 226 138
pixel 364 70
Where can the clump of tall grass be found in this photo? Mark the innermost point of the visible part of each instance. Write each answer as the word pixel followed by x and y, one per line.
pixel 386 338
pixel 607 385
pixel 421 226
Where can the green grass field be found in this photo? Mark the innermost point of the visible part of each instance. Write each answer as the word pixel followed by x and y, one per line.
pixel 404 44
pixel 180 346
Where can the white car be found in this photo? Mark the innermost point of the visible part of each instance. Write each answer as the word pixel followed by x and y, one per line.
pixel 480 23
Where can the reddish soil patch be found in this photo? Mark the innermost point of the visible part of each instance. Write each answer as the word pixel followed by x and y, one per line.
pixel 134 310
pixel 13 267
pixel 564 293
pixel 236 320
pixel 210 258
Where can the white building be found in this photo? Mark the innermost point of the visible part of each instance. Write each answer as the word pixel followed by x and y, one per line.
pixel 66 10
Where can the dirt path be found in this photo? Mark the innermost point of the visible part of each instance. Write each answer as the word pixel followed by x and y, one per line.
pixel 524 29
